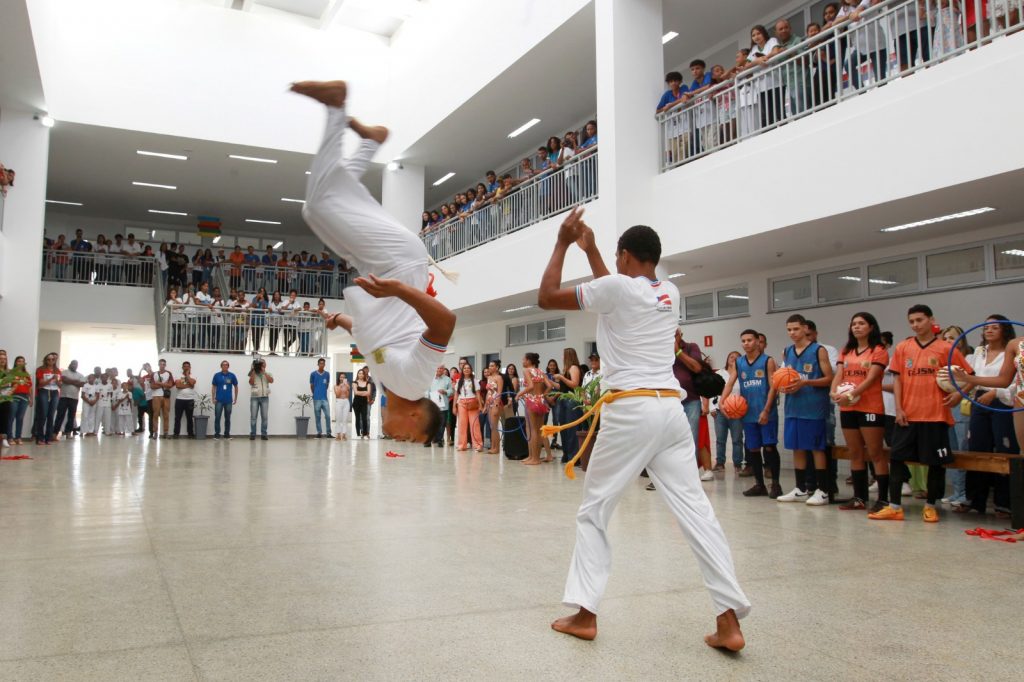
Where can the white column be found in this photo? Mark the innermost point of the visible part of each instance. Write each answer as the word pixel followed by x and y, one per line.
pixel 629 75
pixel 24 144
pixel 402 194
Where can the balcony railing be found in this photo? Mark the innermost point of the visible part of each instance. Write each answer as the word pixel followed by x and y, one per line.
pixel 87 267
pixel 888 41
pixel 528 203
pixel 218 329
pixel 309 282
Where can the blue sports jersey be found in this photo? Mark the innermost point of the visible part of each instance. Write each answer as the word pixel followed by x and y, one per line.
pixel 752 378
pixel 809 402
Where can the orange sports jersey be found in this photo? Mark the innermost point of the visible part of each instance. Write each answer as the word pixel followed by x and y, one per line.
pixel 855 370
pixel 917 366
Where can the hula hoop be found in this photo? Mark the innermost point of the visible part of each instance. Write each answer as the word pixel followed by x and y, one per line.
pixel 949 368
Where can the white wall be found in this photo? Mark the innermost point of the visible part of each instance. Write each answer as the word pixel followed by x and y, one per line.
pixel 474 342
pixel 95 305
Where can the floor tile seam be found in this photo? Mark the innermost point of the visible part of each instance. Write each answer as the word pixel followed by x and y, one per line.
pixel 75 557
pixel 96 652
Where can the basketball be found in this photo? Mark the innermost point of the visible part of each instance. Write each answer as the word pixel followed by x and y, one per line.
pixel 943 380
pixel 783 377
pixel 844 388
pixel 735 406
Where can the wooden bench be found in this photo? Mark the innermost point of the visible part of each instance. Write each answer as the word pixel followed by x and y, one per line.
pixel 989 462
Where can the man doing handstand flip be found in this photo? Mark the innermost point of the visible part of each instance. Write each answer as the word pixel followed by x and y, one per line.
pixel 401 329
pixel 646 428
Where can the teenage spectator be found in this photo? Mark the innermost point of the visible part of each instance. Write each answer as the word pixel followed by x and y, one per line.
pixel 677 126
pixel 342 406
pixel 105 405
pixel 275 320
pixel 291 321
pixel 237 258
pixel 258 317
pixel 185 401
pixel 47 394
pixel 162 262
pixel 769 87
pixel 319 382
pixel 102 260
pixel 306 322
pixel 687 365
pixel 360 404
pixel 239 322
pixel 469 411
pixel 209 263
pixel 225 391
pixel 22 398
pixel 58 252
pixel 259 397
pixel 961 422
pixel 327 268
pixel 589 135
pixel 162 382
pixel 440 393
pixel 726 427
pixel 202 304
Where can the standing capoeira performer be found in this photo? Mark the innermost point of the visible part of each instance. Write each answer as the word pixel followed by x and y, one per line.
pixel 402 330
pixel 643 424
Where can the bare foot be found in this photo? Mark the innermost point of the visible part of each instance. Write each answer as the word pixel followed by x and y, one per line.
pixel 376 133
pixel 728 635
pixel 531 463
pixel 331 93
pixel 582 624
pixel 548 459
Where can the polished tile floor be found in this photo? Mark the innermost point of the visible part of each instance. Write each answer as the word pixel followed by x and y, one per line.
pixel 317 560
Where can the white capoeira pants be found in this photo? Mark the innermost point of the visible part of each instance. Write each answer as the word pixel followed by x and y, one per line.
pixel 105 418
pixel 653 433
pixel 342 409
pixel 88 424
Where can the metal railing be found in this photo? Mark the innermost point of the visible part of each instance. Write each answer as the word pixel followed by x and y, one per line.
pixel 529 202
pixel 308 282
pixel 887 41
pixel 89 267
pixel 224 329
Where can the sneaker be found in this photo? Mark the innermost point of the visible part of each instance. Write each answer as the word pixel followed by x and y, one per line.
pixel 227 437
pixel 264 438
pixel 878 506
pixel 216 436
pixel 5 443
pixel 887 513
pixel 873 488
pixel 906 490
pixel 650 486
pixel 775 491
pixel 931 515
pixel 853 505
pixel 252 437
pixel 795 495
pixel 746 471
pixel 706 475
pixel 757 490
pixel 426 445
pixel 817 499
pixel 719 467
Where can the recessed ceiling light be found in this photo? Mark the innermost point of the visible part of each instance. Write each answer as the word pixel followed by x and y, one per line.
pixel 64 203
pixel 443 179
pixel 677 274
pixel 307 172
pixel 278 245
pixel 47 121
pixel 668 36
pixel 523 128
pixel 263 222
pixel 1009 252
pixel 294 201
pixel 940 219
pixel 516 310
pixel 152 234
pixel 251 158
pixel 216 240
pixel 153 210
pixel 393 166
pixel 179 157
pixel 152 184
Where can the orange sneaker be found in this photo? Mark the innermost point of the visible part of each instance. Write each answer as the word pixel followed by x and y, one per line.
pixel 931 515
pixel 888 514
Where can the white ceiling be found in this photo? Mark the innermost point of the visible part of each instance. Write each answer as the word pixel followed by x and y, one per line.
pixel 702 25
pixel 380 17
pixel 96 166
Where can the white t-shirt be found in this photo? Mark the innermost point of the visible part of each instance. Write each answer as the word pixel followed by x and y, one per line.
pixel 67 390
pixel 160 377
pixel 132 249
pixel 985 366
pixel 89 391
pixel 125 408
pixel 772 79
pixel 390 334
pixel 636 324
pixel 186 393
pixel 467 389
pixel 106 393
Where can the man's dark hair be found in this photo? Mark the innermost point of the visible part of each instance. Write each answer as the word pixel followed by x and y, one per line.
pixel 490 173
pixel 752 332
pixel 698 62
pixel 673 76
pixel 920 308
pixel 763 337
pixel 643 242
pixel 431 419
pixel 798 318
pixel 810 325
pixel 506 176
pixel 887 338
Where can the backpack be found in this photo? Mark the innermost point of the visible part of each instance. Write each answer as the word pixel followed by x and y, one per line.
pixel 708 383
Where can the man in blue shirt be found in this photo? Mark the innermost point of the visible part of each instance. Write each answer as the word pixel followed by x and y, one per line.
pixel 492 183
pixel 269 262
pixel 225 394
pixel 319 382
pixel 327 265
pixel 701 77
pixel 250 262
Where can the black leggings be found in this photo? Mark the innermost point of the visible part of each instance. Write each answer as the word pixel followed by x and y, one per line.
pixel 900 474
pixel 360 407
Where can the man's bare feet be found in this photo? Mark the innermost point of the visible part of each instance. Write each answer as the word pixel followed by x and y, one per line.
pixel 376 133
pixel 582 624
pixel 331 93
pixel 728 635
pixel 529 462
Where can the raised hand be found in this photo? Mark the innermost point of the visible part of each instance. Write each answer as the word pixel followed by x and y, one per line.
pixel 379 288
pixel 572 226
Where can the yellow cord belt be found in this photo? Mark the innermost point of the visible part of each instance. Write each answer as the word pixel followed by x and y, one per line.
pixel 595 411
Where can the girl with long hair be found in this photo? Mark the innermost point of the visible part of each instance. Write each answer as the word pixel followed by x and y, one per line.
pixel 361 404
pixel 566 409
pixel 535 385
pixel 493 403
pixel 469 405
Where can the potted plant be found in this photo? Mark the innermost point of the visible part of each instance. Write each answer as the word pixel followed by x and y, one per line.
pixel 584 396
pixel 302 401
pixel 202 420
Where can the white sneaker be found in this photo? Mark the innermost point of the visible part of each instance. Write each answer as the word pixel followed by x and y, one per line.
pixel 706 475
pixel 817 499
pixel 795 495
pixel 5 444
pixel 907 490
pixel 873 488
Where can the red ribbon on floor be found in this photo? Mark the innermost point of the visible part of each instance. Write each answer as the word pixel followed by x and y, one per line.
pixel 16 457
pixel 389 453
pixel 998 535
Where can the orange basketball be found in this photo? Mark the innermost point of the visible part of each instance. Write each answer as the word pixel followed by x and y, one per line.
pixel 783 377
pixel 734 407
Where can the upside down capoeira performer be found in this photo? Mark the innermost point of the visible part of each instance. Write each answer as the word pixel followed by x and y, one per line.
pixel 643 425
pixel 402 330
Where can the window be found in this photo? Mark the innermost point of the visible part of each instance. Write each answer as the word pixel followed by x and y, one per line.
pixel 950 268
pixel 791 293
pixel 709 305
pixel 735 301
pixel 895 277
pixel 1009 259
pixel 699 307
pixel 535 332
pixel 839 285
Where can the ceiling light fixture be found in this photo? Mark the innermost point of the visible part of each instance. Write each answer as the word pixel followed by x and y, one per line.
pixel 1009 252
pixel 153 210
pixel 393 166
pixel 516 310
pixel 940 219
pixel 263 222
pixel 523 128
pixel 851 278
pixel 45 120
pixel 668 36
pixel 179 157
pixel 152 234
pixel 677 274
pixel 251 158
pixel 294 201
pixel 216 240
pixel 307 172
pixel 278 245
pixel 152 184
pixel 64 203
pixel 444 179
